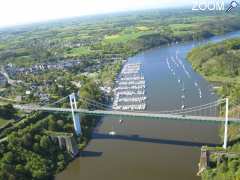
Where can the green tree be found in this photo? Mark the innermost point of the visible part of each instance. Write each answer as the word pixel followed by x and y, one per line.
pixel 45 142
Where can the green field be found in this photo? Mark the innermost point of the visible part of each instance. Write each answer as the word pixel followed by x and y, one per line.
pixel 78 52
pixel 3 122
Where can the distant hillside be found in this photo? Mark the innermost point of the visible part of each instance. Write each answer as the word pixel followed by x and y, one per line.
pixel 110 35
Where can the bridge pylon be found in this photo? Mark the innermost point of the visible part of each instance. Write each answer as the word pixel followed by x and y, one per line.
pixel 226 125
pixel 75 116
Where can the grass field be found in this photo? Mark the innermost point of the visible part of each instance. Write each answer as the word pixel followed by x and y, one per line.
pixel 142 28
pixel 3 122
pixel 76 52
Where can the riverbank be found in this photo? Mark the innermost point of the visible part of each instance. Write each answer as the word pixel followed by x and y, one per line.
pixel 112 82
pixel 220 63
pixel 134 139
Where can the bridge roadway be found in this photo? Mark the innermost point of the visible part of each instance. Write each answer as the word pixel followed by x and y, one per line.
pixel 130 114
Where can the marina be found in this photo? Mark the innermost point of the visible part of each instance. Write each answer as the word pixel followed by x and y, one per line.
pixel 129 93
pixel 122 140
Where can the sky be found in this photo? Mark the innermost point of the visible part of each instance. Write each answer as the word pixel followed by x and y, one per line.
pixel 15 12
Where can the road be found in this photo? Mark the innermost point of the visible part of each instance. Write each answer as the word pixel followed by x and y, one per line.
pixel 130 114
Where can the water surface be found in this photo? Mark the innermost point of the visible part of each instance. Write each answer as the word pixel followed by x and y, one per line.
pixel 146 149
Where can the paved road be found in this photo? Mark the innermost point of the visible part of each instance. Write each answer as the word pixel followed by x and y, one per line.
pixel 130 114
pixel 4 73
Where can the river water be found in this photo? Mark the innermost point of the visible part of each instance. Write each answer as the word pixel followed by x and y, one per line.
pixel 146 149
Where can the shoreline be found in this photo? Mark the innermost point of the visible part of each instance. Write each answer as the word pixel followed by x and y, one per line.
pixel 209 167
pixel 125 62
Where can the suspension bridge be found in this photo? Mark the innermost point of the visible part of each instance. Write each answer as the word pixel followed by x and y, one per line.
pixel 204 113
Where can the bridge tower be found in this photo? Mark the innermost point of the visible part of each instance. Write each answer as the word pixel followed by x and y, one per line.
pixel 75 116
pixel 204 160
pixel 226 125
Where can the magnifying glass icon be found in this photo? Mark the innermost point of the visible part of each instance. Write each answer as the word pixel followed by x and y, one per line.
pixel 233 4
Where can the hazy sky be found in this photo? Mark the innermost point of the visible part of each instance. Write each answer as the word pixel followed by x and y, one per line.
pixel 24 11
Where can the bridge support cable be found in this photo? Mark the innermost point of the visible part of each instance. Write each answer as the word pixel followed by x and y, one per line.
pixel 198 110
pixel 98 106
pixel 179 111
pixel 75 116
pixel 58 101
pixel 202 111
pixel 192 108
pixel 226 125
pixel 90 101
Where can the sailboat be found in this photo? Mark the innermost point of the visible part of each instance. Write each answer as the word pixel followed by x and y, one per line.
pixel 183 89
pixel 112 133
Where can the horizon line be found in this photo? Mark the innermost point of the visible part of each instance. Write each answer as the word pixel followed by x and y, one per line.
pixel 32 23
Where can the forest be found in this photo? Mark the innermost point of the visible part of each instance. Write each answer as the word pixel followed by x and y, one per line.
pixel 220 63
pixel 28 152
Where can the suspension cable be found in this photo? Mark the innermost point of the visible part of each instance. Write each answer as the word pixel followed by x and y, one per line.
pixel 169 112
pixel 93 101
pixel 194 110
pixel 60 100
pixel 93 104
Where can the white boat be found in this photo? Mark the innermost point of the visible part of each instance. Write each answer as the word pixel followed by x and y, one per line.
pixel 200 93
pixel 112 133
pixel 183 107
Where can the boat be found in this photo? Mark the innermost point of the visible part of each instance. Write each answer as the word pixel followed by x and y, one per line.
pixel 183 88
pixel 183 107
pixel 112 133
pixel 129 93
pixel 200 93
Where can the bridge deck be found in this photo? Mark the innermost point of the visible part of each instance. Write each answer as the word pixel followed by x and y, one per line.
pixel 130 114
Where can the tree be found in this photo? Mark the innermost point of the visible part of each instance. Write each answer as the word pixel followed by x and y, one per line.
pixel 7 111
pixel 27 140
pixel 52 125
pixel 8 157
pixel 233 165
pixel 90 91
pixel 45 142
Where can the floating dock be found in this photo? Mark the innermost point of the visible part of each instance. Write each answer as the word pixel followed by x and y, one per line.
pixel 129 93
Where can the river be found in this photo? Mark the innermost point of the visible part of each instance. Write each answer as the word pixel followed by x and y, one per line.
pixel 149 149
